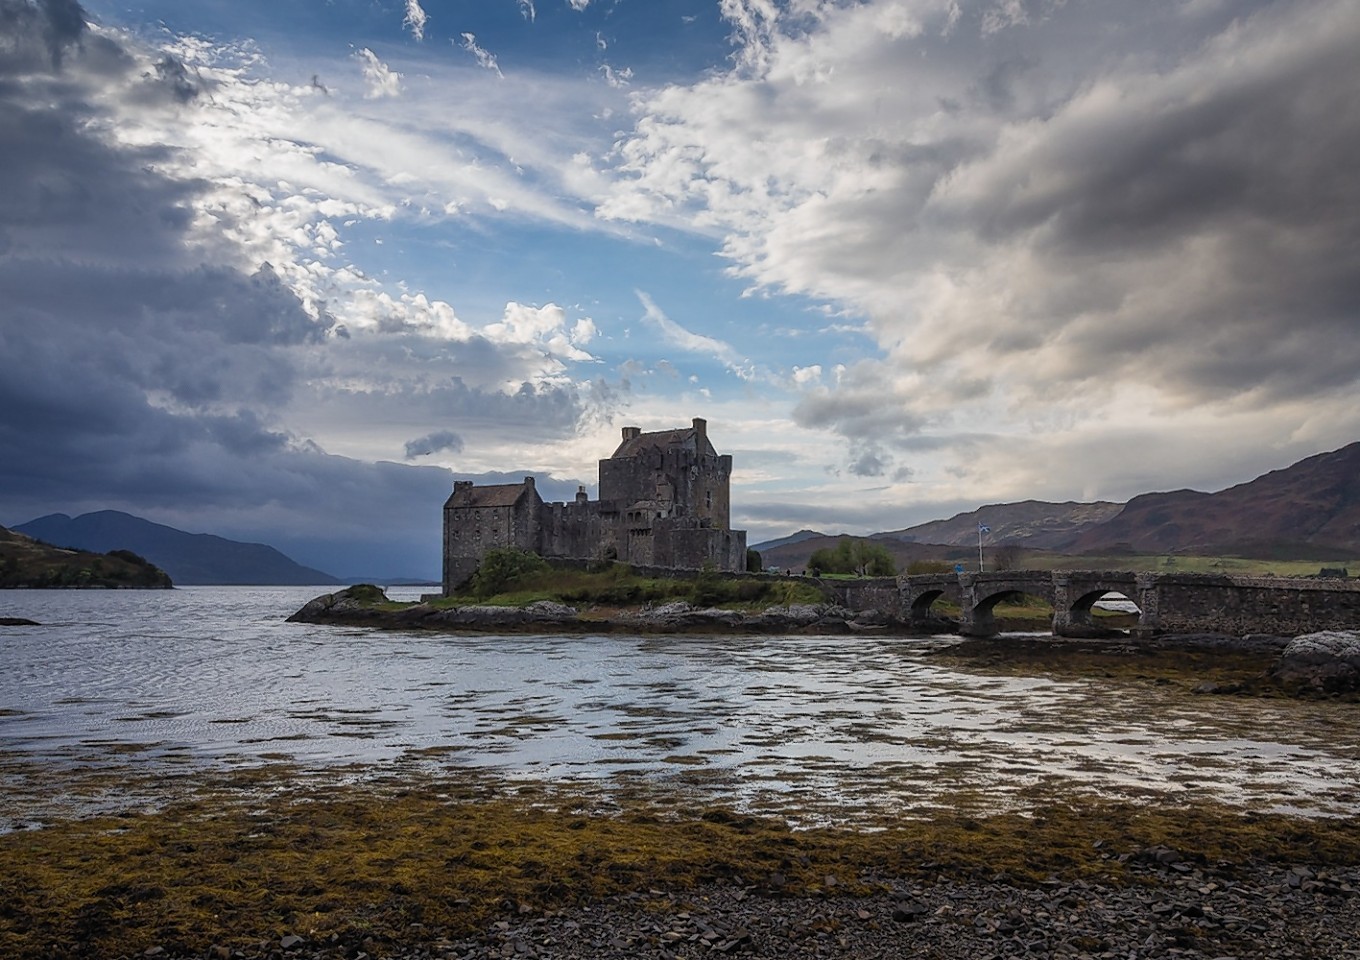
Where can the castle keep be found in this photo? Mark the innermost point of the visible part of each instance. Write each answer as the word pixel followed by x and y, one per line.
pixel 664 502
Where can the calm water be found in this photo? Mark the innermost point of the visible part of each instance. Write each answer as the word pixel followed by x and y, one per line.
pixel 213 676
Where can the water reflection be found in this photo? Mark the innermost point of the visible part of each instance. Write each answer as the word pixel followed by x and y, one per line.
pixel 209 676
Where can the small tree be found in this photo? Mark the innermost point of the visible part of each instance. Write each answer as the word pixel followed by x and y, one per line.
pixel 1007 556
pixel 500 568
pixel 754 563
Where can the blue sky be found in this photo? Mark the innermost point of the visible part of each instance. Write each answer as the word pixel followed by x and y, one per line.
pixel 281 271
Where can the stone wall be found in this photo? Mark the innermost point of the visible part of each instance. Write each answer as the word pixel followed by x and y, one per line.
pixel 1240 605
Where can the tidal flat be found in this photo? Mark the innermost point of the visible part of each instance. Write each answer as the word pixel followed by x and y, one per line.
pixel 212 780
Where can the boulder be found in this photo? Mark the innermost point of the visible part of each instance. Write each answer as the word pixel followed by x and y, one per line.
pixel 352 603
pixel 1325 662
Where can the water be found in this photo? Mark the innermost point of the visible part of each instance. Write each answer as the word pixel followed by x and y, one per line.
pixel 202 678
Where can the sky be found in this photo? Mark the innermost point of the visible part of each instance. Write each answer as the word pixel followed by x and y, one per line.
pixel 283 271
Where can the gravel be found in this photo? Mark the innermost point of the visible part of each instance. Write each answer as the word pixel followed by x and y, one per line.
pixel 1171 908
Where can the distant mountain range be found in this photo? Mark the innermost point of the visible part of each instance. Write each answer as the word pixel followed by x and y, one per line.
pixel 189 558
pixel 1310 510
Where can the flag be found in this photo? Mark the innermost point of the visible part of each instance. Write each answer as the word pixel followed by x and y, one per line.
pixel 983 528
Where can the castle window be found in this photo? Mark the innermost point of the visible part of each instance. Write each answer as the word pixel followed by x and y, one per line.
pixel 708 499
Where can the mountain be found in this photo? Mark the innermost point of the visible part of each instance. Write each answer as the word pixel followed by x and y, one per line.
pixel 189 558
pixel 1308 510
pixel 24 562
pixel 792 538
pixel 1033 524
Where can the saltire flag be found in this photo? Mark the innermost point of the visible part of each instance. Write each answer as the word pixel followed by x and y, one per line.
pixel 983 528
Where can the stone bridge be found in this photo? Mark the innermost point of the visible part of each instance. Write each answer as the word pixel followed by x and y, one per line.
pixel 1167 602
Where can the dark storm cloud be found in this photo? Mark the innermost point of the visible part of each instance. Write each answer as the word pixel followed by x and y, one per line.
pixel 434 443
pixel 1193 228
pixel 144 370
pixel 34 35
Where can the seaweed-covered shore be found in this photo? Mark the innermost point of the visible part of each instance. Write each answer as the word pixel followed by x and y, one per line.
pixel 259 865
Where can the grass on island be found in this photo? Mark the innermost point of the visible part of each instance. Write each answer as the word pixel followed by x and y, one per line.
pixel 513 578
pixel 367 865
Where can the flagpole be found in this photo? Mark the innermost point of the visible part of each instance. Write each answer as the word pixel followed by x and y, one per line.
pixel 979 547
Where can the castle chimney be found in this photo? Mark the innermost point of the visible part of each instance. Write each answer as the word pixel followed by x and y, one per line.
pixel 529 482
pixel 581 493
pixel 700 435
pixel 632 433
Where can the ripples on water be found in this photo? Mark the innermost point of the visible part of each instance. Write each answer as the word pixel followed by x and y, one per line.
pixel 202 676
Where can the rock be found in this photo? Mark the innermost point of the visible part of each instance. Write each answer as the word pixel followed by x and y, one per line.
pixel 291 941
pixel 1159 853
pixel 1325 662
pixel 354 603
pixel 18 622
pixel 550 610
pixel 907 911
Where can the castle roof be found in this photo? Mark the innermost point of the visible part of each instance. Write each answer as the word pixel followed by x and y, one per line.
pixel 663 439
pixel 491 495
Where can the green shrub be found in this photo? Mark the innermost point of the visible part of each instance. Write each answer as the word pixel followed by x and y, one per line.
pixel 503 568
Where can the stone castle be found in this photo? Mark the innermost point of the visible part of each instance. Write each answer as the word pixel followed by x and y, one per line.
pixel 664 502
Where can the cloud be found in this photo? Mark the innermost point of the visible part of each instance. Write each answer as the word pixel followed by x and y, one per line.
pixel 527 11
pixel 1038 237
pixel 184 337
pixel 415 19
pixel 616 78
pixel 382 81
pixel 434 443
pixel 484 59
pixel 578 5
pixel 677 336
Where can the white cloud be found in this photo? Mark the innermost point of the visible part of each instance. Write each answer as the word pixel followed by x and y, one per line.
pixel 527 11
pixel 616 78
pixel 578 5
pixel 382 81
pixel 415 19
pixel 484 59
pixel 689 341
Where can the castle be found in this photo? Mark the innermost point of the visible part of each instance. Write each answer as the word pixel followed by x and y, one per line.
pixel 664 502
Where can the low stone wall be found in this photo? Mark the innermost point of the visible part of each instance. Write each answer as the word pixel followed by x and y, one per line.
pixel 1241 605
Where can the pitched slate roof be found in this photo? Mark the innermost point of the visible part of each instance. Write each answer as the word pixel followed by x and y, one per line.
pixel 662 439
pixel 493 495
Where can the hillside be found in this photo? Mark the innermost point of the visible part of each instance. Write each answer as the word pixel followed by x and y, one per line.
pixel 190 558
pixel 791 539
pixel 24 562
pixel 1311 509
pixel 1033 524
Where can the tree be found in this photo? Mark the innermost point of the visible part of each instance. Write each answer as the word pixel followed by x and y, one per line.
pixel 754 563
pixel 1007 556
pixel 860 557
pixel 501 567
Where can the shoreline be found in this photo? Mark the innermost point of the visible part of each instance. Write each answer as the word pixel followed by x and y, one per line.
pixel 257 866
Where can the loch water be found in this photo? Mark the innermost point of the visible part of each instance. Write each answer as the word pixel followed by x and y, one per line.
pixel 202 678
